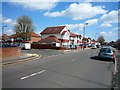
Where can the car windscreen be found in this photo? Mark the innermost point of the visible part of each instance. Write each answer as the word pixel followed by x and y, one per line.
pixel 106 50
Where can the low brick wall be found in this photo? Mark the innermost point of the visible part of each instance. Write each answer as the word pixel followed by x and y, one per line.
pixel 41 46
pixel 9 52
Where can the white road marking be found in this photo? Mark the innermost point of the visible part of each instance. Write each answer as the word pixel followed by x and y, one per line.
pixel 32 74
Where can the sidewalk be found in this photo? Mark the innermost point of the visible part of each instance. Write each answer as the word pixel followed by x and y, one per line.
pixel 21 58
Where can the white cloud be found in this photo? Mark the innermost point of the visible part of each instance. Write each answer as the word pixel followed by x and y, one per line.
pixel 9 32
pixel 36 4
pixel 78 11
pixel 8 21
pixel 108 34
pixel 102 33
pixel 116 28
pixel 109 18
pixel 92 21
pixel 75 26
pixel 106 24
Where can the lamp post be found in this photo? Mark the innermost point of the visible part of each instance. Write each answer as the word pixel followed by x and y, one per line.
pixel 95 35
pixel 3 29
pixel 84 29
pixel 84 32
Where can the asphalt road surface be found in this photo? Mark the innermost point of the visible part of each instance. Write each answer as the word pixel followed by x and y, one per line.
pixel 70 70
pixel 44 52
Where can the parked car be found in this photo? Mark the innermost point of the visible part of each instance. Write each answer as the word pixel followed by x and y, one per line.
pixel 93 46
pixel 107 52
pixel 25 46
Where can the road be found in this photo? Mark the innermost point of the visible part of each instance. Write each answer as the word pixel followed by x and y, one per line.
pixel 44 52
pixel 70 70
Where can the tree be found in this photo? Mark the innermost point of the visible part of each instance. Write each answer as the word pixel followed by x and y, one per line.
pixel 24 27
pixel 101 39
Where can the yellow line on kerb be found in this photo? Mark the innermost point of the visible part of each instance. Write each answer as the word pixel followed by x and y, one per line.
pixel 20 61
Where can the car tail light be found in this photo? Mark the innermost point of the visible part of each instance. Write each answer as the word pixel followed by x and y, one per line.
pixel 113 56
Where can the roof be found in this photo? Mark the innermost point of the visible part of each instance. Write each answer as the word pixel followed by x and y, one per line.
pixel 64 32
pixel 33 34
pixel 85 38
pixel 13 36
pixel 4 36
pixel 53 30
pixel 72 34
pixel 89 38
pixel 50 39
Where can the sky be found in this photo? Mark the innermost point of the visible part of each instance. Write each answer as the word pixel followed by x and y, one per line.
pixel 102 17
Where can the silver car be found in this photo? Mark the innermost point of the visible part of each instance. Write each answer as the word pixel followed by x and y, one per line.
pixel 107 52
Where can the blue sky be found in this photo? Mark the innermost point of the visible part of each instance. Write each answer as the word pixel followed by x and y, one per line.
pixel 101 16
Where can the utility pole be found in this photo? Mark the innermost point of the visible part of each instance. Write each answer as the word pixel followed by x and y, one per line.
pixel 3 31
pixel 84 32
pixel 95 35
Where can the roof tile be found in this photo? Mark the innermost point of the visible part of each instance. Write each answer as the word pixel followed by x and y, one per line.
pixel 53 30
pixel 49 39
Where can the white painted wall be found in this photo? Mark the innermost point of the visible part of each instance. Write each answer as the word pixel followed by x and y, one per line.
pixel 66 36
pixel 75 40
pixel 65 29
pixel 60 36
pixel 65 44
pixel 57 44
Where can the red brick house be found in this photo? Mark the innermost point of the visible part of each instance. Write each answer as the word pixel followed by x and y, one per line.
pixel 73 40
pixel 60 32
pixel 33 38
pixel 51 41
pixel 5 37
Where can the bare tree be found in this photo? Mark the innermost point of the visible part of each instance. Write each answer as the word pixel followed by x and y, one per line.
pixel 101 39
pixel 24 27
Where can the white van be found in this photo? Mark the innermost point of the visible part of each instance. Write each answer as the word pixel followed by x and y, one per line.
pixel 26 46
pixel 93 46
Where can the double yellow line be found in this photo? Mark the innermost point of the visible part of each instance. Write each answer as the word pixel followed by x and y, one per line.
pixel 21 61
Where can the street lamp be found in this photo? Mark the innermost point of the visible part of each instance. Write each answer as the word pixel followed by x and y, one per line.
pixel 3 33
pixel 3 29
pixel 84 29
pixel 95 35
